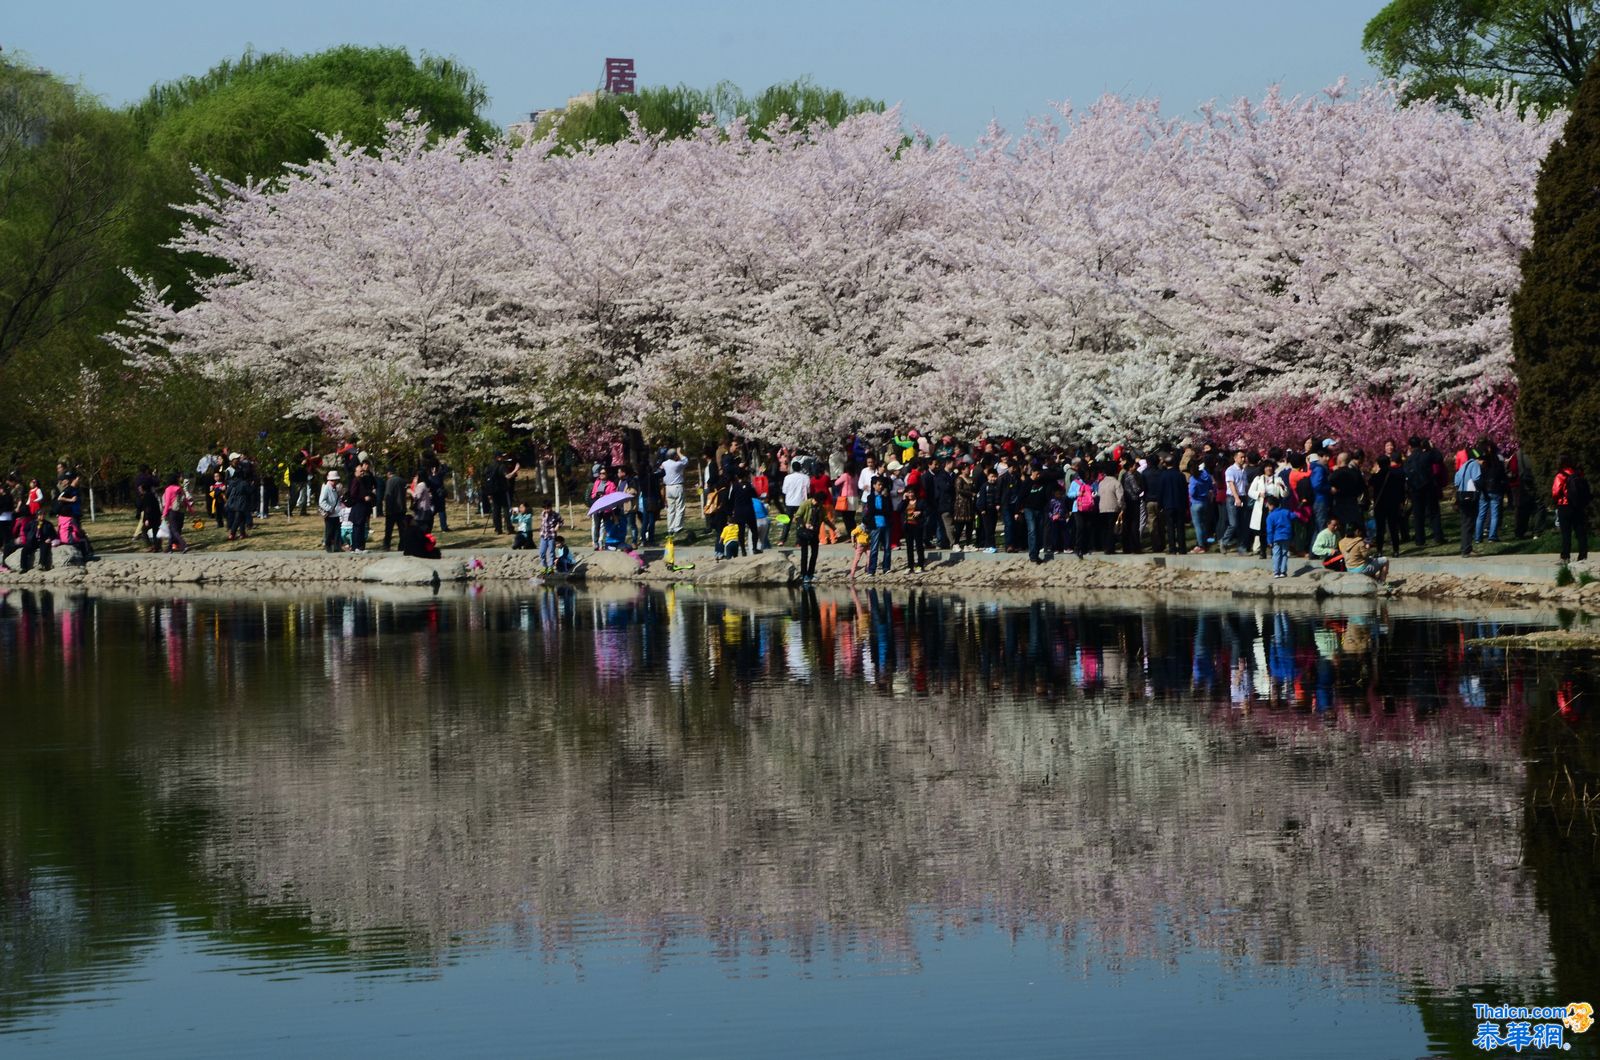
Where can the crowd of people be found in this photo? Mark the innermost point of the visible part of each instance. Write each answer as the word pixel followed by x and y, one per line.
pixel 908 492
pixel 904 491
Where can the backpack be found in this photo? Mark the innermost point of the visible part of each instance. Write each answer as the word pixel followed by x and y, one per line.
pixel 1576 491
pixel 1418 476
pixel 1086 496
pixel 1303 491
pixel 713 502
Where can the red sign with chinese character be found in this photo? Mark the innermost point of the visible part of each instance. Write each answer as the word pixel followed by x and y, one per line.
pixel 619 76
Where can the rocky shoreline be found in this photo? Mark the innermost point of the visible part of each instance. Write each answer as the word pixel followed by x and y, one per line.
pixel 1529 579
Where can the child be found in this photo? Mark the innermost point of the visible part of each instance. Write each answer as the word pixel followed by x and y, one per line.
pixel 217 499
pixel 347 527
pixel 549 529
pixel 763 523
pixel 728 543
pixel 564 562
pixel 615 525
pixel 521 529
pixel 863 543
pixel 1279 532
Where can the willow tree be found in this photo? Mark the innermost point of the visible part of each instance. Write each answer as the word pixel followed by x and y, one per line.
pixel 1555 315
pixel 676 111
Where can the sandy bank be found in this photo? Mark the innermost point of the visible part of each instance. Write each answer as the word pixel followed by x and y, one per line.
pixel 1525 579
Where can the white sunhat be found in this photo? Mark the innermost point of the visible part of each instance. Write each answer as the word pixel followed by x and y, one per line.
pixel 333 476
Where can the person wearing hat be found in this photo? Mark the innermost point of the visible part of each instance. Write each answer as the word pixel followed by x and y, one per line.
pixel 328 505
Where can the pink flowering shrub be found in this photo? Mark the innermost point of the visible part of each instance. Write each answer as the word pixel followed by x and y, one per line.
pixel 1364 423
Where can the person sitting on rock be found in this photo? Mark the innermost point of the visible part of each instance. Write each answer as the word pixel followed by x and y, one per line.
pixel 413 542
pixel 1326 547
pixel 1360 559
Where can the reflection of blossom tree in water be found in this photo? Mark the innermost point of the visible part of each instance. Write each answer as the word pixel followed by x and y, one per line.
pixel 784 772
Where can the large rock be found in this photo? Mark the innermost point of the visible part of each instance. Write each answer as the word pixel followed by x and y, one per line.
pixel 404 570
pixel 1343 583
pixel 608 566
pixel 769 568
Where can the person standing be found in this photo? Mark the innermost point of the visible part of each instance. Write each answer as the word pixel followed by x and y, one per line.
pixel 1492 485
pixel 966 492
pixel 363 501
pixel 8 520
pixel 1570 492
pixel 940 490
pixel 877 513
pixel 174 503
pixel 497 492
pixel 986 501
pixel 549 532
pixel 1236 482
pixel 1202 487
pixel 1108 491
pixel 1526 491
pixel 916 542
pixel 808 532
pixel 846 498
pixel 1132 505
pixel 796 487
pixel 394 506
pixel 1321 487
pixel 672 473
pixel 1348 489
pixel 1388 504
pixel 1172 490
pixel 1265 487
pixel 236 504
pixel 1035 506
pixel 1466 483
pixel 1279 529
pixel 434 474
pixel 742 511
pixel 1422 487
pixel 328 506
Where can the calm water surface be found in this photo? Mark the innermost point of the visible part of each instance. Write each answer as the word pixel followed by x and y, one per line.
pixel 688 824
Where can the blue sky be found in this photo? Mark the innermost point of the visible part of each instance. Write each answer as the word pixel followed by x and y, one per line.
pixel 953 66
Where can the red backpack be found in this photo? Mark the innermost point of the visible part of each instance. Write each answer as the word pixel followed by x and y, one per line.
pixel 1086 498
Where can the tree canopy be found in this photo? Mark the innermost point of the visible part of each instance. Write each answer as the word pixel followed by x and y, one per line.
pixel 87 190
pixel 676 111
pixel 1441 46
pixel 1555 315
pixel 250 116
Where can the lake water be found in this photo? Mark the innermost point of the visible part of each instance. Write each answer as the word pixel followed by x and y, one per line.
pixel 685 824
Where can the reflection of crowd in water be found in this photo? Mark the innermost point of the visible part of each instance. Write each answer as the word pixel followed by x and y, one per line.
pixel 488 735
pixel 1294 661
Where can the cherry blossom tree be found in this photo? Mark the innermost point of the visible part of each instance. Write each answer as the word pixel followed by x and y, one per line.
pixel 1110 274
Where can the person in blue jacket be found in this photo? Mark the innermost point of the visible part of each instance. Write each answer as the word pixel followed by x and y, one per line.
pixel 1280 531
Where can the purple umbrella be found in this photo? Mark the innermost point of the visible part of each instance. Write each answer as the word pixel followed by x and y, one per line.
pixel 609 501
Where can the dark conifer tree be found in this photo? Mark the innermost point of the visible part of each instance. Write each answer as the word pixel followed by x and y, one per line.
pixel 1555 317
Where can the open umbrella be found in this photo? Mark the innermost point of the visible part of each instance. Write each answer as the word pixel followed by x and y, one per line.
pixel 610 501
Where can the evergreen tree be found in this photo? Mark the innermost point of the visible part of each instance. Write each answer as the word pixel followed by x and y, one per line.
pixel 1555 316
